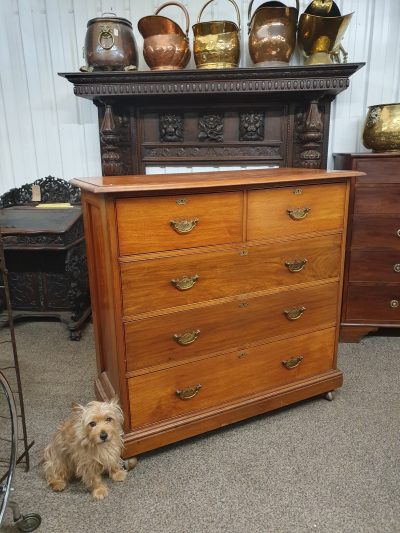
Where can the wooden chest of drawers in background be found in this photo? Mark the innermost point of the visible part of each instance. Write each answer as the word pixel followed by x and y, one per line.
pixel 216 296
pixel 371 297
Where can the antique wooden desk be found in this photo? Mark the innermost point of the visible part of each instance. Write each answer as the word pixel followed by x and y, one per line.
pixel 45 258
pixel 215 296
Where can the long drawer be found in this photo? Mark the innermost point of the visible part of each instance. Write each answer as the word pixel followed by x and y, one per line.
pixel 185 279
pixel 382 266
pixel 212 382
pixel 295 211
pixel 175 222
pixel 376 232
pixel 373 303
pixel 186 334
pixel 381 200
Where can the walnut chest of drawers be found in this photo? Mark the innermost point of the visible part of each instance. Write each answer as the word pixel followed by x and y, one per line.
pixel 215 296
pixel 371 295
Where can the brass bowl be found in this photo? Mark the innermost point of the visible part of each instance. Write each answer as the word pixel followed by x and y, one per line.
pixel 319 37
pixel 217 43
pixel 382 128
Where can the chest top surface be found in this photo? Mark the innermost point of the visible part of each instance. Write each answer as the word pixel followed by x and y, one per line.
pixel 138 185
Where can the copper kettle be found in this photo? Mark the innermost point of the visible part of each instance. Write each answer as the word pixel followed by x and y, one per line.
pixel 165 46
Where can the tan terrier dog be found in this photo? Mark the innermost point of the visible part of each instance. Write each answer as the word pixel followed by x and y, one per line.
pixel 87 443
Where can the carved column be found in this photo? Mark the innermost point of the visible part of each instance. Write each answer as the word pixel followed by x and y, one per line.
pixel 310 131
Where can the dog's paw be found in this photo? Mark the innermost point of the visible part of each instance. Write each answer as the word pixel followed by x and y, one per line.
pixel 119 475
pixel 58 485
pixel 99 493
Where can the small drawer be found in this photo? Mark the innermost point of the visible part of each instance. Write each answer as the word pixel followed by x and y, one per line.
pixel 377 200
pixel 378 171
pixel 185 279
pixel 376 232
pixel 378 304
pixel 213 382
pixel 183 335
pixel 382 266
pixel 174 222
pixel 294 211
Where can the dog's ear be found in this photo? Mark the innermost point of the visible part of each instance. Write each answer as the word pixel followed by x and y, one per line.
pixel 114 402
pixel 77 408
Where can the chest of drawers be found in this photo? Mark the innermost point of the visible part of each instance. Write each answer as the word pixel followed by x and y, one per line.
pixel 215 296
pixel 371 297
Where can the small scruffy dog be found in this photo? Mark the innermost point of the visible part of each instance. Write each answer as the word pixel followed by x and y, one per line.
pixel 87 443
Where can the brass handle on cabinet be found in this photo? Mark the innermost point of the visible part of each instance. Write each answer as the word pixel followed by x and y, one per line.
pixel 294 313
pixel 396 267
pixel 398 232
pixel 186 338
pixel 394 303
pixel 184 226
pixel 299 213
pixel 190 392
pixel 293 362
pixel 296 266
pixel 185 283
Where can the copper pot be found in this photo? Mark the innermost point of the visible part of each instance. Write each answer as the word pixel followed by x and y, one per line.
pixel 217 43
pixel 165 46
pixel 382 128
pixel 109 44
pixel 272 33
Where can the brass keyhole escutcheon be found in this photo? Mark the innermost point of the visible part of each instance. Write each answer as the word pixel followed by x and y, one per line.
pixel 297 191
pixel 394 303
pixel 243 253
pixel 243 304
pixel 242 355
pixel 181 201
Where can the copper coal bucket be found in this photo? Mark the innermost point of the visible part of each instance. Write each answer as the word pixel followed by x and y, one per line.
pixel 166 46
pixel 217 43
pixel 109 44
pixel 272 33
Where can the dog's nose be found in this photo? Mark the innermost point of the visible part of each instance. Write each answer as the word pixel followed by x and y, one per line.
pixel 103 435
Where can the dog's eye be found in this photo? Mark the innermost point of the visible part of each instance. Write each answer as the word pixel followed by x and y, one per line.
pixel 92 424
pixel 109 419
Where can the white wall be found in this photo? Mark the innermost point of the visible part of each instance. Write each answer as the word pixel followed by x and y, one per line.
pixel 46 130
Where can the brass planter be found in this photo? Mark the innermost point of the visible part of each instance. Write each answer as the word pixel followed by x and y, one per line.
pixel 217 43
pixel 165 46
pixel 382 128
pixel 319 37
pixel 109 44
pixel 272 33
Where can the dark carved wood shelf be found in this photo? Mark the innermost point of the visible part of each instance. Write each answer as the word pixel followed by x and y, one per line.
pixel 277 116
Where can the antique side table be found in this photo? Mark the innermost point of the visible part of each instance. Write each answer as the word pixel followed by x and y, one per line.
pixel 46 262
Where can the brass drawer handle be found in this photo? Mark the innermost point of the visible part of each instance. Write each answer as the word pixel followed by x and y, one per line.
pixel 186 338
pixel 396 267
pixel 394 303
pixel 294 313
pixel 184 226
pixel 293 362
pixel 299 213
pixel 185 283
pixel 398 232
pixel 190 392
pixel 296 266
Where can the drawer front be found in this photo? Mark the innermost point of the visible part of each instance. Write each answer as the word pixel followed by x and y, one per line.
pixel 382 170
pixel 186 279
pixel 375 232
pixel 186 334
pixel 380 200
pixel 215 381
pixel 316 208
pixel 167 223
pixel 375 303
pixel 382 266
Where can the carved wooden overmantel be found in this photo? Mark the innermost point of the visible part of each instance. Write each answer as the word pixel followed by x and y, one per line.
pixel 248 116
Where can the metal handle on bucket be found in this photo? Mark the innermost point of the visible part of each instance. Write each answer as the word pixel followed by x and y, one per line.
pixel 231 1
pixel 251 6
pixel 178 5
